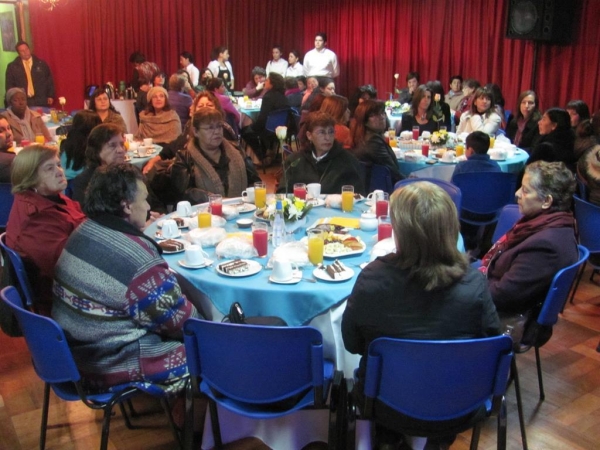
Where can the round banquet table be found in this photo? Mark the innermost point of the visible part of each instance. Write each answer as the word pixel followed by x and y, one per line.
pixel 319 304
pixel 140 161
pixel 445 170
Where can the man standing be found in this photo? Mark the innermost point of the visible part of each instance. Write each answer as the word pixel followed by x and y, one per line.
pixel 6 158
pixel 32 75
pixel 412 82
pixel 277 64
pixel 320 61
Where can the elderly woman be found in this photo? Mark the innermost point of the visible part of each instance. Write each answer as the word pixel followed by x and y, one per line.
pixel 323 161
pixel 482 116
pixel 123 314
pixel 209 164
pixel 425 290
pixel 159 121
pixel 41 218
pixel 105 146
pixel 522 129
pixel 556 139
pixel 72 149
pixel 421 112
pixel 255 88
pixel 100 103
pixel 368 144
pixel 25 123
pixel 520 266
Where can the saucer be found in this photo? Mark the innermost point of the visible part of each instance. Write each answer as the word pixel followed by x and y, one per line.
pixel 207 262
pixel 296 277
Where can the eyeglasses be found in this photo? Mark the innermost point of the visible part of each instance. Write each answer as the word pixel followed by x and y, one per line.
pixel 323 133
pixel 213 128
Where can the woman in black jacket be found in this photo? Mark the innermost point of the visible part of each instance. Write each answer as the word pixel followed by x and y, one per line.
pixel 522 130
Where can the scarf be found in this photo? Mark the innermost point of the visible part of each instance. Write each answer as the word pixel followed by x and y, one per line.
pixel 163 127
pixel 520 127
pixel 523 229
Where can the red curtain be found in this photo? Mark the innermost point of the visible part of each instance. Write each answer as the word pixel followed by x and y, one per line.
pixel 89 41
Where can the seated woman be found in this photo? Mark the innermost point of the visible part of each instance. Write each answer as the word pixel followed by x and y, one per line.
pixel 179 99
pixel 469 87
pixel 208 164
pixel 368 144
pixel 323 161
pixel 293 92
pixel 25 123
pixel 232 115
pixel 105 146
pixel 41 218
pixel 255 88
pixel 325 86
pixel 520 266
pixel 72 149
pixel 123 314
pixel 578 111
pixel 588 169
pixel 421 113
pixel 587 135
pixel 100 103
pixel 556 139
pixel 441 109
pixel 482 115
pixel 499 102
pixel 337 107
pixel 425 290
pixel 158 121
pixel 311 84
pixel 522 129
pixel 362 93
pixel 205 77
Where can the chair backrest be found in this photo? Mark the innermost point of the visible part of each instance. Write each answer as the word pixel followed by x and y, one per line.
pixel 588 224
pixel 582 189
pixel 277 118
pixel 254 364
pixel 6 202
pixel 452 190
pixel 485 192
pixel 381 178
pixel 507 218
pixel 50 352
pixel 559 290
pixel 437 380
pixel 19 269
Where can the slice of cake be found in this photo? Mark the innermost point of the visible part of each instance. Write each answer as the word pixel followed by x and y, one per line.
pixel 234 267
pixel 171 245
pixel 335 270
pixel 179 221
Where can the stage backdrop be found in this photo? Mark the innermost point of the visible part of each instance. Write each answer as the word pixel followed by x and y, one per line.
pixel 89 42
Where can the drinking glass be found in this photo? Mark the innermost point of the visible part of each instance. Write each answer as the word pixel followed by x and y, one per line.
pixel 415 131
pixel 347 198
pixel 492 141
pixel 382 203
pixel 40 139
pixel 460 149
pixel 315 246
pixel 204 219
pixel 215 204
pixel 300 190
pixel 260 194
pixel 425 148
pixel 384 228
pixel 260 238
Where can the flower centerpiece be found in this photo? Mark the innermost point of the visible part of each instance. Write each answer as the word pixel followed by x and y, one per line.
pixel 295 211
pixel 439 138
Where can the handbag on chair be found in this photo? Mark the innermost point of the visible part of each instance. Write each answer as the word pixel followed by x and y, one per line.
pixel 236 315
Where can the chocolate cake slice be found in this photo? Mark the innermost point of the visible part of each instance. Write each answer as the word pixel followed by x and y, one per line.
pixel 234 267
pixel 171 245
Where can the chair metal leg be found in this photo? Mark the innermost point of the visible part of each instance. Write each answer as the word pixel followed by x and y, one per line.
pixel 475 436
pixel 106 426
pixel 579 276
pixel 167 407
pixel 539 373
pixel 515 377
pixel 125 416
pixel 502 425
pixel 214 418
pixel 45 407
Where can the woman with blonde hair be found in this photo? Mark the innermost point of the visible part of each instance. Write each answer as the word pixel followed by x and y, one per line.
pixel 41 218
pixel 425 290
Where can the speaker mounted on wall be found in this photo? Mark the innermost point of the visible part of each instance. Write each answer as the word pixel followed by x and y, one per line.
pixel 548 21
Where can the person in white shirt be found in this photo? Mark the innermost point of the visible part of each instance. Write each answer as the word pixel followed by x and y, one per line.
pixel 277 64
pixel 295 68
pixel 221 67
pixel 186 61
pixel 320 61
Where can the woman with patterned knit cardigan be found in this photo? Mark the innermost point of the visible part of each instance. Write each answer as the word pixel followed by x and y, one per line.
pixel 121 308
pixel 209 164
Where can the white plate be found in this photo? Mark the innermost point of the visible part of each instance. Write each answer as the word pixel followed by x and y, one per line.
pixel 246 208
pixel 497 159
pixel 350 253
pixel 322 275
pixel 159 224
pixel 260 218
pixel 185 244
pixel 207 262
pixel 296 277
pixel 315 202
pixel 158 235
pixel 253 268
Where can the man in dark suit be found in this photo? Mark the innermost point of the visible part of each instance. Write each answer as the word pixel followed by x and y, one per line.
pixel 32 75
pixel 6 158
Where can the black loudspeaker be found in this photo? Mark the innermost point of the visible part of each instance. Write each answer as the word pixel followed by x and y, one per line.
pixel 541 20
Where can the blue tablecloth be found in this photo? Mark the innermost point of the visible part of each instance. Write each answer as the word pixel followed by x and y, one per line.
pixel 297 304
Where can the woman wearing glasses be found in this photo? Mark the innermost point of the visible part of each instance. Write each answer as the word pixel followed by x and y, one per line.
pixel 324 161
pixel 368 144
pixel 209 164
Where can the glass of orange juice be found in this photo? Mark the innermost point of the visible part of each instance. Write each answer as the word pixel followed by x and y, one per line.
pixel 204 219
pixel 347 198
pixel 260 194
pixel 460 149
pixel 492 141
pixel 315 246
pixel 40 139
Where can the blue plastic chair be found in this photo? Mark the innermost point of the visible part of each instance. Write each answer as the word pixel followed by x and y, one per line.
pixel 54 364
pixel 16 263
pixel 6 202
pixel 381 178
pixel 249 369
pixel 435 381
pixel 582 189
pixel 484 194
pixel 587 216
pixel 509 215
pixel 452 190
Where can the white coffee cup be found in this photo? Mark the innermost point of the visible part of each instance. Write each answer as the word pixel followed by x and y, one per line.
pixel 134 146
pixel 375 194
pixel 248 195
pixel 129 137
pixel 194 255
pixel 142 151
pixel 313 190
pixel 184 209
pixel 448 156
pixel 147 142
pixel 283 270
pixel 170 229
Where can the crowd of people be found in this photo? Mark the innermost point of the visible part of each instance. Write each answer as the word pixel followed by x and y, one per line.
pixel 105 282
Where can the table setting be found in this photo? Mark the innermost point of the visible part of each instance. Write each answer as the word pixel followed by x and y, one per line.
pixel 139 152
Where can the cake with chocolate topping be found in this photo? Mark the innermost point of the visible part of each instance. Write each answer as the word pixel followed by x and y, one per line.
pixel 179 221
pixel 334 270
pixel 171 245
pixel 234 267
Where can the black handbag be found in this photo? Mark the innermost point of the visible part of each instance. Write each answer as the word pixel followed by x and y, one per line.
pixel 236 315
